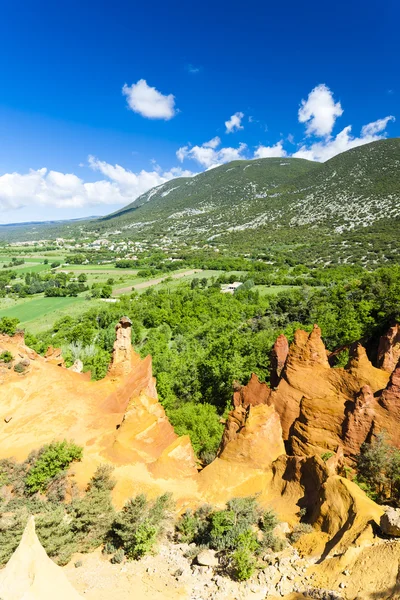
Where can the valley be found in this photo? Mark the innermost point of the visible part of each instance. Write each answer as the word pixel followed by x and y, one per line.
pixel 218 379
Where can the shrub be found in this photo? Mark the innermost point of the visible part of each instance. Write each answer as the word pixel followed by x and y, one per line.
pixel 11 530
pixel 140 524
pixel 202 423
pixel 243 561
pixel 327 455
pixel 55 533
pixel 93 514
pixel 192 526
pixel 378 469
pixel 19 368
pixel 50 462
pixel 6 356
pixel 8 325
pixel 118 557
pixel 242 530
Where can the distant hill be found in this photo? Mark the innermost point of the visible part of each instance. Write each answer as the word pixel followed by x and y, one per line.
pixel 270 203
pixel 353 189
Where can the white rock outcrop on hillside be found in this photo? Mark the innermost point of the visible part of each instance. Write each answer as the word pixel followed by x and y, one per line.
pixel 31 575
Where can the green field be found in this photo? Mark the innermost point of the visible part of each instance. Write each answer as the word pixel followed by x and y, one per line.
pixel 271 290
pixel 40 313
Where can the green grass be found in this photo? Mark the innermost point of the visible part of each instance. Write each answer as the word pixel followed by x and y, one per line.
pixel 271 290
pixel 40 313
pixel 109 267
pixel 30 268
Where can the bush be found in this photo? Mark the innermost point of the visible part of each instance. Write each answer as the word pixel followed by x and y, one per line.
pixel 378 470
pixel 243 561
pixel 80 526
pixel 140 524
pixel 118 557
pixel 11 530
pixel 6 356
pixel 327 455
pixel 8 325
pixel 242 530
pixel 93 514
pixel 55 533
pixel 202 423
pixel 51 461
pixel 19 368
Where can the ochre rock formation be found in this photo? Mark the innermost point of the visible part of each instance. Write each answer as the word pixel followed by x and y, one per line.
pixel 313 409
pixel 255 392
pixel 255 436
pixel 279 354
pixel 389 349
pixel 117 420
pixel 314 400
pixel 54 356
pixel 122 351
pixel 359 425
pixel 31 575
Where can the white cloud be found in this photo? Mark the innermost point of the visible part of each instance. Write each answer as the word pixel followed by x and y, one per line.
pixel 207 154
pixel 376 127
pixel 214 143
pixel 271 151
pixel 322 151
pixel 149 102
pixel 319 111
pixel 234 123
pixel 44 188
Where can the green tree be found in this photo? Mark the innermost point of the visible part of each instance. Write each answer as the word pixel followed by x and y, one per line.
pixel 50 462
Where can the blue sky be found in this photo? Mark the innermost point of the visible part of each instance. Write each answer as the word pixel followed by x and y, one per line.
pixel 188 68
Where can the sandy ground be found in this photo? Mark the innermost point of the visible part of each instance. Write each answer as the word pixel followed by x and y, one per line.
pixel 98 579
pixel 150 282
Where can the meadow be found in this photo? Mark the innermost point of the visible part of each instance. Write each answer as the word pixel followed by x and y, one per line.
pixel 39 313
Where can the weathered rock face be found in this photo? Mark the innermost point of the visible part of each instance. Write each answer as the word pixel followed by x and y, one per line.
pixel 345 513
pixel 54 356
pixel 255 392
pixel 390 398
pixel 122 351
pixel 315 401
pixel 359 425
pixel 30 574
pixel 253 433
pixel 279 354
pixel 390 522
pixel 389 349
pixel 117 420
pixel 255 436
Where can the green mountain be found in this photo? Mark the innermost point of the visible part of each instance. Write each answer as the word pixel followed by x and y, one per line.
pixel 263 203
pixel 346 209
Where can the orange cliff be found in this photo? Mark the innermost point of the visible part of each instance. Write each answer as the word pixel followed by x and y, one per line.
pixel 117 420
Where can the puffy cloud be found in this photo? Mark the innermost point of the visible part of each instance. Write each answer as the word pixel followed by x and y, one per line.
pixel 234 123
pixel 319 111
pixel 209 156
pixel 326 149
pixel 270 151
pixel 149 102
pixel 65 190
